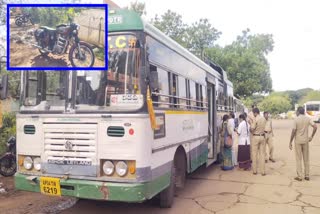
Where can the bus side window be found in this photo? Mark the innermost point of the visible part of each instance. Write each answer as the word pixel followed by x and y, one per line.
pixel 197 95
pixel 163 77
pixel 193 92
pixel 154 84
pixel 188 93
pixel 173 91
pixel 182 92
pixel 202 96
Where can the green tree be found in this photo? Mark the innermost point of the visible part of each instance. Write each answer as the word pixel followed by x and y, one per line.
pixel 310 96
pixel 246 63
pixel 275 104
pixel 138 7
pixel 201 35
pixel 172 25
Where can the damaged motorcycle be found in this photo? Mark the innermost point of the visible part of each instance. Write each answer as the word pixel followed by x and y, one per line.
pixel 62 39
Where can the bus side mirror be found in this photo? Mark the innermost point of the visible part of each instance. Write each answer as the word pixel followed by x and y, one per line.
pixel 4 87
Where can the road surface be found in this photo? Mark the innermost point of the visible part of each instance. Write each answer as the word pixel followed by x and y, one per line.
pixel 210 190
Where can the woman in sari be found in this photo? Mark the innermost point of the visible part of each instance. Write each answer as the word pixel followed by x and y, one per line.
pixel 244 159
pixel 227 149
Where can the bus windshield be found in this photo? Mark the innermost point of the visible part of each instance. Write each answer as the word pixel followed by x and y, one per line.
pixel 45 90
pixel 117 89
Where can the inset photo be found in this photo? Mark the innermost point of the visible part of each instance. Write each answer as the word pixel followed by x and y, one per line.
pixel 56 37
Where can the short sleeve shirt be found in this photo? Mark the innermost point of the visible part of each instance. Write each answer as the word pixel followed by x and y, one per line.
pixel 301 125
pixel 268 127
pixel 258 125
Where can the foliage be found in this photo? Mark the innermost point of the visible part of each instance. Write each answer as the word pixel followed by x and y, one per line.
pixel 172 25
pixel 8 129
pixel 14 82
pixel 138 7
pixel 51 16
pixel 201 35
pixel 275 104
pixel 100 54
pixel 252 100
pixel 310 96
pixel 195 37
pixel 246 63
pixel 296 96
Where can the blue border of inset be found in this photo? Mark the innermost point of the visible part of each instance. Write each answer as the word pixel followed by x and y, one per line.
pixel 57 68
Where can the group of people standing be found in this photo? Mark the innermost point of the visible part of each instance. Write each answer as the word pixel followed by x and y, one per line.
pixel 253 132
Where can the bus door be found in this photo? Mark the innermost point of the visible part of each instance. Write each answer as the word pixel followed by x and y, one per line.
pixel 211 94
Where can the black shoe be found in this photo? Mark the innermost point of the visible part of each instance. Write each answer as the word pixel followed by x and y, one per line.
pixel 307 178
pixel 272 160
pixel 297 179
pixel 266 161
pixel 263 174
pixel 255 173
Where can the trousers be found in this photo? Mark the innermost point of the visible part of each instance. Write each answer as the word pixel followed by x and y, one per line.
pixel 302 152
pixel 258 151
pixel 269 143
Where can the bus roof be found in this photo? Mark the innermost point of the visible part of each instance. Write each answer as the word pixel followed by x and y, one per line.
pixel 126 20
pixel 312 102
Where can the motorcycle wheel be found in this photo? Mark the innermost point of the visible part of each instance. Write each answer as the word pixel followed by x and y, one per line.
pixel 87 51
pixel 18 22
pixel 8 165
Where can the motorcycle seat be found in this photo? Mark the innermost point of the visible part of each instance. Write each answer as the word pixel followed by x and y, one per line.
pixel 48 28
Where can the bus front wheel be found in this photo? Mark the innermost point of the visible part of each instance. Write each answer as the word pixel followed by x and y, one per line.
pixel 167 195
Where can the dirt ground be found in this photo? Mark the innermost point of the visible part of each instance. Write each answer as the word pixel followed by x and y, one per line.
pixel 23 54
pixel 14 201
pixel 208 190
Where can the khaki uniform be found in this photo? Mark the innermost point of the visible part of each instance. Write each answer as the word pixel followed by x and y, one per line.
pixel 258 144
pixel 250 120
pixel 301 125
pixel 269 139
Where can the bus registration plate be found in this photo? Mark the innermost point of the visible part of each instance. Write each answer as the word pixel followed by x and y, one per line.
pixel 50 186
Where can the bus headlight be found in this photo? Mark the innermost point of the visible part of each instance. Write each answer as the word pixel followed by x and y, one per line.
pixel 27 163
pixel 37 163
pixel 121 168
pixel 108 168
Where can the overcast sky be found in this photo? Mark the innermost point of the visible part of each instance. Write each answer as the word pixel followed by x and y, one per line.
pixel 295 60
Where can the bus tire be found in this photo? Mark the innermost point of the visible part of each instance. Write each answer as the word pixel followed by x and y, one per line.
pixel 181 168
pixel 167 195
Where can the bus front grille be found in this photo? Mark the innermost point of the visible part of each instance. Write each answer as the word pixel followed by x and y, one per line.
pixel 70 143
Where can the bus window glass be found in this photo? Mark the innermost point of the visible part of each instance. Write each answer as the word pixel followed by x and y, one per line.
pixel 45 89
pixel 174 90
pixel 182 92
pixel 163 77
pixel 117 89
pixel 193 93
pixel 313 107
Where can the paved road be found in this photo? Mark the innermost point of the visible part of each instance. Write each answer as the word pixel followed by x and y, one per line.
pixel 210 190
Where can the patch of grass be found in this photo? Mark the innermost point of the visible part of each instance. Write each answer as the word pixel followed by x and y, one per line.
pixel 8 129
pixel 100 53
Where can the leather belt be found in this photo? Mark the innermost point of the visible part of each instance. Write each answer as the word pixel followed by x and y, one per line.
pixel 258 135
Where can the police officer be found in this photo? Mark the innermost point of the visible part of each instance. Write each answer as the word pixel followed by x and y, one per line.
pixel 268 130
pixel 300 134
pixel 258 142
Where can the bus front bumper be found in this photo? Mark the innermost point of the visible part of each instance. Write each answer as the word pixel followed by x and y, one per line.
pixel 97 190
